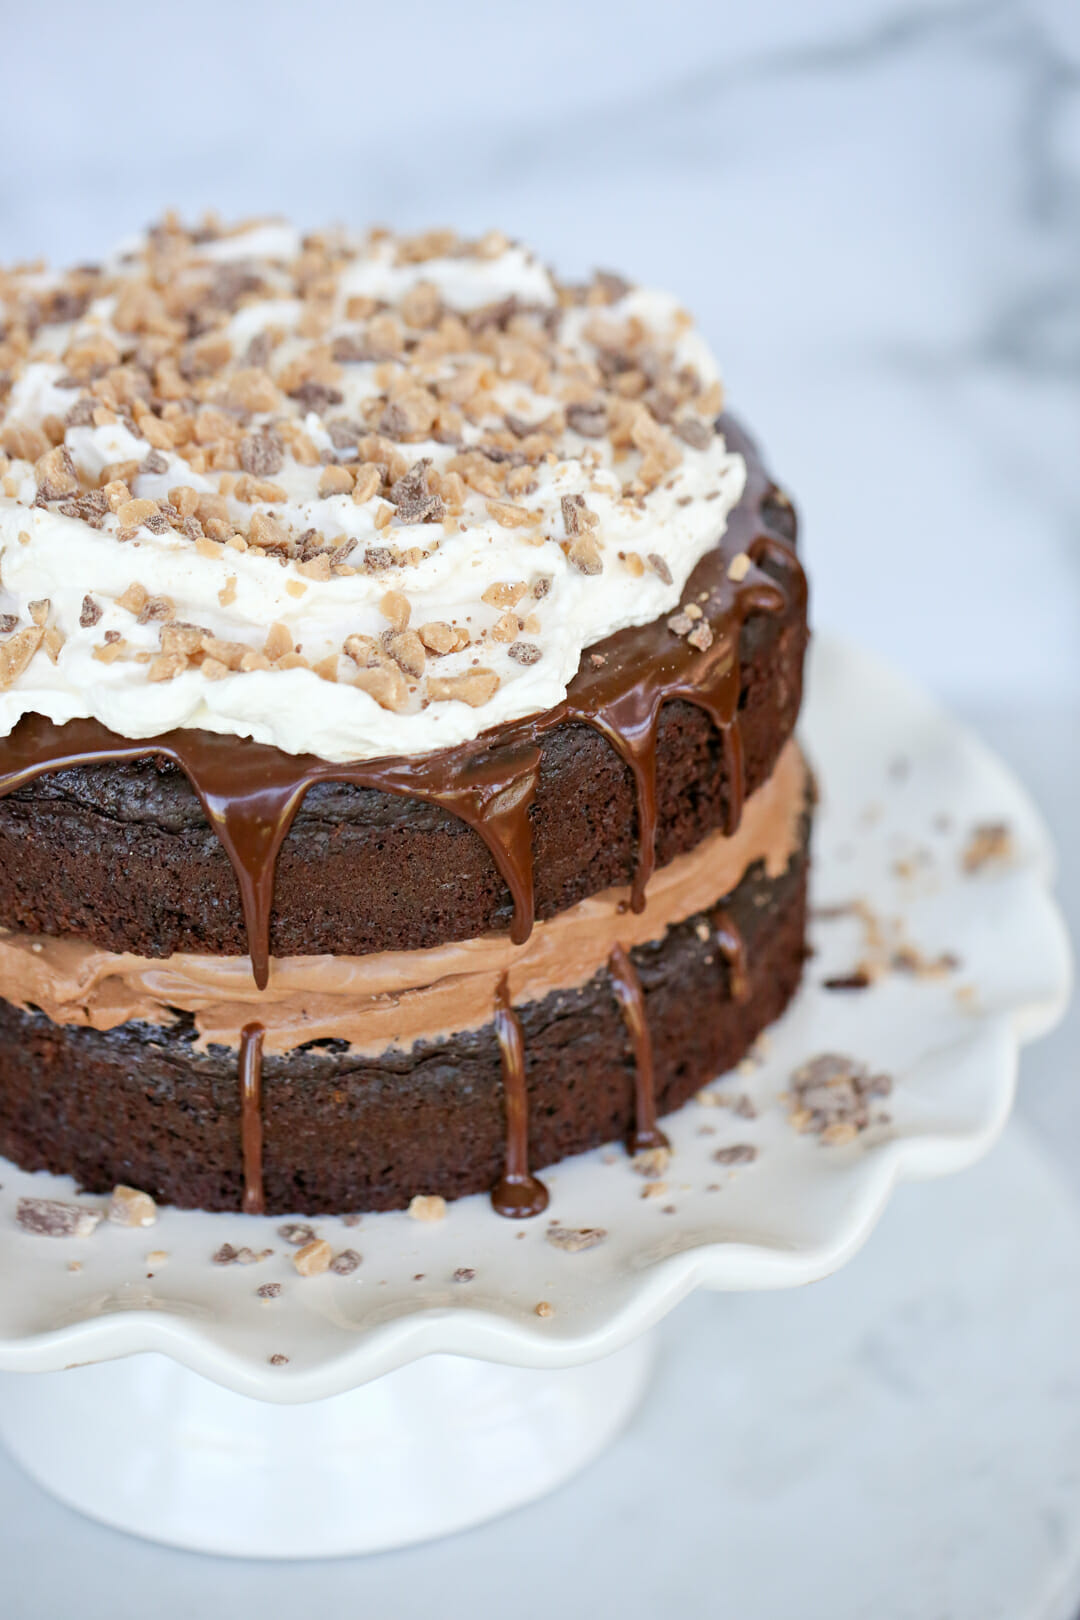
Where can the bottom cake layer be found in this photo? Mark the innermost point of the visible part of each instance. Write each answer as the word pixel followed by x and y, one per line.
pixel 142 1104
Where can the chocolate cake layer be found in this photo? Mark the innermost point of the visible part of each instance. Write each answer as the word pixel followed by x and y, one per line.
pixel 123 856
pixel 138 1104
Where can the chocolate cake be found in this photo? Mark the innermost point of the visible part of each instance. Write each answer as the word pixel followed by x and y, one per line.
pixel 400 655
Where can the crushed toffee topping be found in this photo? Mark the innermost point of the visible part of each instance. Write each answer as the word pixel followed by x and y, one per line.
pixel 309 410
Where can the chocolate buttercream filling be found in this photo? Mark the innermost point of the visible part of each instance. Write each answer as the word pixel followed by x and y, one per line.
pixel 395 998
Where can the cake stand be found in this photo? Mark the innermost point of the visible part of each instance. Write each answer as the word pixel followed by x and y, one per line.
pixel 470 1364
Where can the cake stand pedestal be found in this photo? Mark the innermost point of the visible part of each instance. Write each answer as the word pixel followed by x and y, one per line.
pixel 147 1446
pixel 470 1365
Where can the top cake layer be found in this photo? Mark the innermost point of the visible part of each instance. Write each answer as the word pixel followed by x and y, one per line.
pixel 348 496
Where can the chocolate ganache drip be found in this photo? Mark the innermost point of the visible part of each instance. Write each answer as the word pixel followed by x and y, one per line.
pixel 730 944
pixel 251 1125
pixel 629 994
pixel 517 1192
pixel 251 792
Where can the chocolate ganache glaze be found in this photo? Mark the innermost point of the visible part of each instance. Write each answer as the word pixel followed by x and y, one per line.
pixel 250 792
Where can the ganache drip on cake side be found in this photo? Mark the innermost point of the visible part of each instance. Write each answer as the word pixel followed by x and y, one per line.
pixel 251 1127
pixel 628 993
pixel 517 1192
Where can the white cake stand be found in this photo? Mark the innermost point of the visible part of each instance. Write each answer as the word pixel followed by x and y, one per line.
pixel 424 1392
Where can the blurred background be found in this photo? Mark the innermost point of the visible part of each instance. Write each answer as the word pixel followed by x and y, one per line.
pixel 873 208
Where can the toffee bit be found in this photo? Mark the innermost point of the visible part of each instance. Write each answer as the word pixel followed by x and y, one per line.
pixel 16 653
pixel 297 1233
pixel 652 1162
pixel 693 432
pixel 230 1255
pixel 584 555
pixel 352 348
pixel 573 510
pixel 831 1097
pixel 588 420
pixel 659 567
pixel 258 351
pixel 92 507
pixel 157 610
pixel 314 1258
pixel 415 502
pixel 344 434
pixel 56 475
pixel 739 1103
pixel 129 1207
pixel 367 483
pixel 476 687
pixel 395 606
pixel 262 454
pixel 503 594
pixel 438 637
pixel 427 1207
pixel 335 480
pixel 860 979
pixel 81 414
pixel 385 683
pixel 316 396
pixel 611 285
pixel 737 1153
pixel 378 558
pixel 511 516
pixel 574 1240
pixel 990 844
pixel 407 650
pixel 52 1217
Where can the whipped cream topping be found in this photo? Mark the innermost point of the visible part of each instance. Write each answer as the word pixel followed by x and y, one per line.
pixel 350 496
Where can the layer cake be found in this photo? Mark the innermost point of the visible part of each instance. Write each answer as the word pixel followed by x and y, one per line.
pixel 400 655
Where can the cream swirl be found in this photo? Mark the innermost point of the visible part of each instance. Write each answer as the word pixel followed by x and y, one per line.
pixel 347 496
